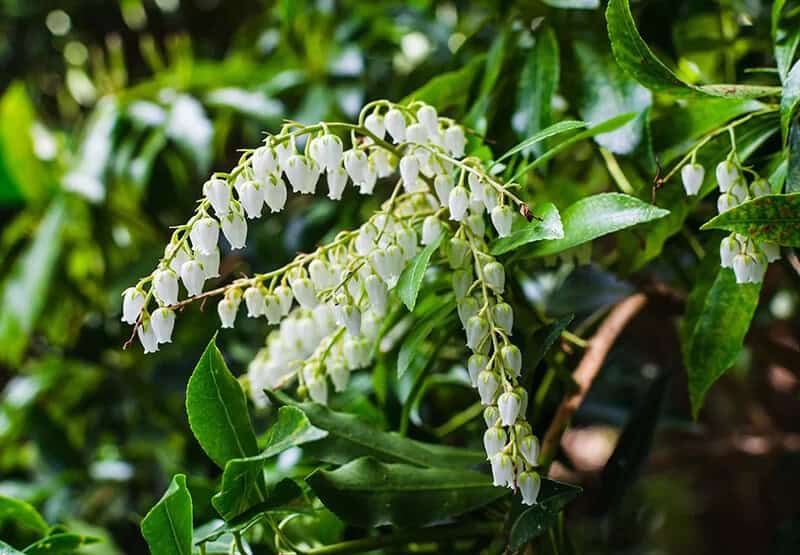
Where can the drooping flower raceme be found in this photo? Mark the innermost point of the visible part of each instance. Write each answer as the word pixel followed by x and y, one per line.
pixel 327 307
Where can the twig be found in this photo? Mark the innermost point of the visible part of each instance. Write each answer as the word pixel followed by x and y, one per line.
pixel 599 346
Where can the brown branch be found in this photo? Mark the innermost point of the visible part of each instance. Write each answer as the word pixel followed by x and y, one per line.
pixel 599 346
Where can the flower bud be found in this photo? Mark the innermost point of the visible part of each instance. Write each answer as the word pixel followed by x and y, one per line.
pixel 476 224
pixel 443 185
pixel 409 172
pixel 512 359
pixel 252 198
pixel 234 227
pixel 132 304
pixel 458 201
pixel 162 321
pixel 728 249
pixel 503 317
pixel 455 141
pixel 375 125
pixel 370 177
pixel 476 364
pixel 218 193
pixel 529 484
pixel 165 283
pixel 457 252
pixel 265 162
pixel 272 308
pixel 274 190
pixel 227 312
pixel 337 180
pixel 495 276
pixel 395 124
pixel 487 386
pixel 727 174
pixel 355 162
pixel 501 220
pixel 529 448
pixel 193 277
pixel 467 308
pixel 304 292
pixel 508 403
pixel 428 117
pixel 502 470
pixel 204 235
pixel 494 440
pixel 726 201
pixel 760 187
pixel 431 230
pixel 740 191
pixel 462 281
pixel 285 297
pixel 477 332
pixel 491 416
pixel 692 176
pixel 147 336
pixel 303 174
pixel 254 300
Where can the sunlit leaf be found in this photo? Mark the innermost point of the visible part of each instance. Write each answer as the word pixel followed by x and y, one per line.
pixel 168 526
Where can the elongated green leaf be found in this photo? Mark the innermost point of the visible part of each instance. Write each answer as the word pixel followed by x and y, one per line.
pixel 410 349
pixel 243 481
pixel 25 290
pixel 595 216
pixel 6 549
pixel 635 57
pixel 167 528
pixel 537 85
pixel 790 101
pixel 476 118
pixel 58 544
pixel 549 227
pixel 773 218
pixel 349 438
pixel 536 520
pixel 553 130
pixel 21 513
pixel 545 338
pixel 411 278
pixel 605 127
pixel 718 315
pixel 607 91
pixel 367 492
pixel 785 34
pixel 450 89
pixel 217 410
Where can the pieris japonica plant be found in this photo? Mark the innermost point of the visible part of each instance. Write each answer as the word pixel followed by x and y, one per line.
pixel 324 310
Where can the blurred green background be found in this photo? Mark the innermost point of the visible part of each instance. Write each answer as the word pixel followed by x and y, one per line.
pixel 112 112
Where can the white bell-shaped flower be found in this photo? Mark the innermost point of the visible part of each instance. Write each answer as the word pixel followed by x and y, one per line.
pixel 491 416
pixel 365 240
pixel 495 276
pixel 476 364
pixel 339 374
pixel 428 117
pixel 304 291
pixel 318 390
pixel 337 181
pixel 272 308
pixel 163 320
pixel 265 162
pixel 509 404
pixel 458 202
pixel 409 172
pixel 383 162
pixel 226 309
pixel 502 470
pixel 728 249
pixel 285 297
pixel 176 254
pixel 285 150
pixel 254 301
pixel 370 177
pixel 501 220
pixel 727 174
pixel 692 176
pixel 494 440
pixel 193 277
pixel 745 266
pixel 490 198
pixel 252 199
pixel 132 304
pixel 487 386
pixel 512 359
pixel 377 294
pixel 321 274
pixel 503 317
pixel 476 224
pixel 218 193
pixel 234 227
pixel 417 134
pixel 455 141
pixel 477 332
pixel 204 235
pixel 375 125
pixel 147 336
pixel 528 446
pixel 324 318
pixel 303 174
pixel 395 124
pixel 467 308
pixel 355 162
pixel 274 192
pixel 431 230
pixel 350 317
pixel 462 281
pixel 165 283
pixel 326 151
pixel 407 239
pixel 210 263
pixel 529 484
pixel 443 185
pixel 726 201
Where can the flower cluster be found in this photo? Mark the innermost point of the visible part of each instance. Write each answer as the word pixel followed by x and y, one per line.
pixel 328 306
pixel 748 258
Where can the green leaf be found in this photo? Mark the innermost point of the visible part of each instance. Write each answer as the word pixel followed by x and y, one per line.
pixel 608 91
pixel 217 409
pixel 549 227
pixel 790 101
pixel 718 314
pixel 536 520
pixel 793 160
pixel 450 89
pixel 243 479
pixel 370 493
pixel 595 216
pixel 785 34
pixel 411 279
pixel 411 347
pixel 167 528
pixel 605 127
pixel 537 85
pixel 478 114
pixel 349 438
pixel 58 544
pixel 26 288
pixel 635 57
pixel 6 549
pixel 555 129
pixel 21 513
pixel 544 339
pixel 772 218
